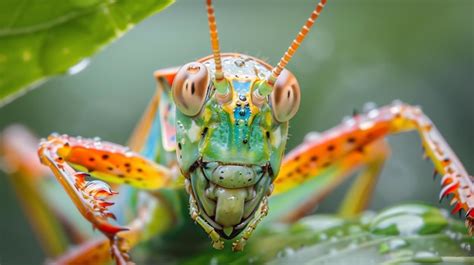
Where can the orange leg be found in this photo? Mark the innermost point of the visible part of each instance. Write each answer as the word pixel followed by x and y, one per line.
pixel 116 164
pixel 369 162
pixel 354 136
pixel 103 160
pixel 64 155
pixel 99 251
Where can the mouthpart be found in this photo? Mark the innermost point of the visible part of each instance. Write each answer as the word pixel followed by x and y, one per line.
pixel 228 195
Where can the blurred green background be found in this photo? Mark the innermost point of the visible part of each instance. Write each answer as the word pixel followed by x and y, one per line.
pixel 419 51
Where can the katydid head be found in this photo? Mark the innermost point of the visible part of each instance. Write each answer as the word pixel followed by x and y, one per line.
pixel 231 131
pixel 230 143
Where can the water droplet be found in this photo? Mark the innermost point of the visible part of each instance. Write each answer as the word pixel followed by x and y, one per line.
pixel 78 67
pixel 323 236
pixel 426 257
pixel 369 106
pixel 286 252
pixel 408 219
pixel 353 229
pixel 397 244
pixel 454 235
pixel 366 125
pixel 392 245
pixel 349 121
pixel 397 102
pixel 252 260
pixel 373 114
pixel 466 246
pixel 312 136
pixel 352 245
pixel 239 63
pixel 214 261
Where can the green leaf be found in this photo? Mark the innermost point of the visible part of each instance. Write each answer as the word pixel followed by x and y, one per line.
pixel 40 39
pixel 403 234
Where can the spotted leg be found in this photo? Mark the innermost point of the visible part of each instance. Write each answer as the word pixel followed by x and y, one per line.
pixel 332 173
pixel 74 160
pixel 356 135
pixel 152 137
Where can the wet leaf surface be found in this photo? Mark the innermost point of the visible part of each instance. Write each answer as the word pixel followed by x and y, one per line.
pixel 403 234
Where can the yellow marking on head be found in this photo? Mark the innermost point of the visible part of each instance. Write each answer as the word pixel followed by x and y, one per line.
pixel 230 106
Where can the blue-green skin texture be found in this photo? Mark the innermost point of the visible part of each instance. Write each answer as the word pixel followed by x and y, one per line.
pixel 231 152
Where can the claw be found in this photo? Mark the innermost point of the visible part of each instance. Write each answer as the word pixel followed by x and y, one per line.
pixel 456 208
pixel 105 204
pixel 108 229
pixel 110 215
pixel 239 245
pixel 81 178
pixel 453 201
pixel 470 213
pixel 447 179
pixel 218 244
pixel 450 188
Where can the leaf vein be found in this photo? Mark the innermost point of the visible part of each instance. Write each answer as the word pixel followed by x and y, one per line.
pixel 52 23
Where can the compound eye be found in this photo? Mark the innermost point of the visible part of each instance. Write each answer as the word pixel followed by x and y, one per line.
pixel 190 88
pixel 285 97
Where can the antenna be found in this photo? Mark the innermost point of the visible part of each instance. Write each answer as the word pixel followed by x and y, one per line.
pixel 214 41
pixel 296 43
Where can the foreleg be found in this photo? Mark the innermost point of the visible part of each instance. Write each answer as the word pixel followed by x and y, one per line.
pixel 64 155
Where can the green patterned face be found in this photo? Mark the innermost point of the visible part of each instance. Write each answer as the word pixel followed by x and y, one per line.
pixel 229 145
